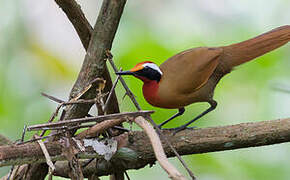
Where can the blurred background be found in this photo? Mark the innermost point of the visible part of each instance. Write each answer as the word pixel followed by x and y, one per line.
pixel 40 52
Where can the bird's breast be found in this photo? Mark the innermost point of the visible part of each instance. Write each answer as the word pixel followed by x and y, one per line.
pixel 150 92
pixel 158 97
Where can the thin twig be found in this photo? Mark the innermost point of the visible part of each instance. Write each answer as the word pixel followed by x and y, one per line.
pixel 72 122
pixel 127 176
pixel 54 114
pixel 46 154
pixel 64 103
pixel 10 172
pixel 23 134
pixel 110 94
pixel 172 148
pixel 158 149
pixel 36 139
pixel 52 98
pixel 129 92
pixel 65 128
pixel 50 135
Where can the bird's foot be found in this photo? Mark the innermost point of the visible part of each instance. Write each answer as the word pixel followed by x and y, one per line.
pixel 160 127
pixel 178 129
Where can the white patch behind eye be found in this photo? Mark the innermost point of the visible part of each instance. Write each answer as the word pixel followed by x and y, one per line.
pixel 153 66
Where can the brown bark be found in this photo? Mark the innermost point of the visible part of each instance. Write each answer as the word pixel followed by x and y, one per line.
pixel 186 142
pixel 78 19
pixel 94 62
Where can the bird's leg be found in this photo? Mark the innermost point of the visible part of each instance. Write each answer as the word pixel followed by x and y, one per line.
pixel 213 105
pixel 180 112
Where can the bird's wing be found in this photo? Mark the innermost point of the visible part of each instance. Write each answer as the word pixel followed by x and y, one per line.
pixel 190 70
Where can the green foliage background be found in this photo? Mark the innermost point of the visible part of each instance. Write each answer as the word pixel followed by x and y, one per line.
pixel 39 51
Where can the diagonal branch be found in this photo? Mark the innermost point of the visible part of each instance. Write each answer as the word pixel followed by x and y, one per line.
pixel 101 40
pixel 74 13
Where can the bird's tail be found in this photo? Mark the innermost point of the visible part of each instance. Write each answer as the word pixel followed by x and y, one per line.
pixel 239 53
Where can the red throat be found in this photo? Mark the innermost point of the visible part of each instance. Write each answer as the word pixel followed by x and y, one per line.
pixel 150 89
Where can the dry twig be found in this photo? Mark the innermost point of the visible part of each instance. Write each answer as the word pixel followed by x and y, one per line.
pixel 100 128
pixel 110 94
pixel 72 122
pixel 46 154
pixel 158 149
pixel 128 91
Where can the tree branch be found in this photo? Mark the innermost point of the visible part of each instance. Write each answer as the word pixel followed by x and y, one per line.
pixel 85 30
pixel 186 142
pixel 74 13
pixel 93 66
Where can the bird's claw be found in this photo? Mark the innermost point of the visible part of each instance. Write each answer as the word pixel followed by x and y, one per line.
pixel 178 129
pixel 160 127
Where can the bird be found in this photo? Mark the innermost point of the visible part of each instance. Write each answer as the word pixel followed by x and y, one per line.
pixel 192 75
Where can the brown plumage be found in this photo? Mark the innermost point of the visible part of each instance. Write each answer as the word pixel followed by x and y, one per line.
pixel 192 75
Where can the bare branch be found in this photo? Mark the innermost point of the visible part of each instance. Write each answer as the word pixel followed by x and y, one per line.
pixel 78 19
pixel 72 122
pixel 185 142
pixel 52 98
pixel 128 91
pixel 110 94
pixel 100 128
pixel 46 154
pixel 94 64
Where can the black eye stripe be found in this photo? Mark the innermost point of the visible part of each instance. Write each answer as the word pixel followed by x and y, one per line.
pixel 149 73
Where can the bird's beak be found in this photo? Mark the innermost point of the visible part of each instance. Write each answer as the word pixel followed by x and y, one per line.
pixel 125 73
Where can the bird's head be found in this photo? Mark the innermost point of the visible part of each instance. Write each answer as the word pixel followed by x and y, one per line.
pixel 146 71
